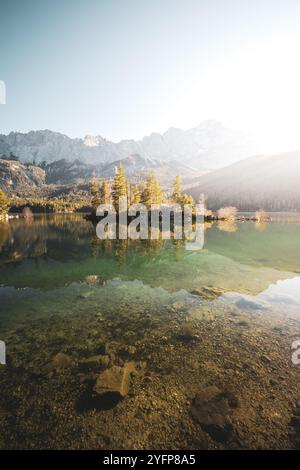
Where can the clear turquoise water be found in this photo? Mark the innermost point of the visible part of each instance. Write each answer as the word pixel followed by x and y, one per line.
pixel 143 289
pixel 52 251
pixel 44 262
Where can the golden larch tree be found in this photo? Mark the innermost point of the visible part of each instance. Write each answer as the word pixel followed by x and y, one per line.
pixel 119 187
pixel 104 193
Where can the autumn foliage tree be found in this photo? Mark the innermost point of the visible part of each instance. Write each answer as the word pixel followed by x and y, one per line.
pixel 119 187
pixel 227 213
pixel 261 215
pixel 94 190
pixel 104 193
pixel 4 204
pixel 187 199
pixel 152 193
pixel 176 195
pixel 136 195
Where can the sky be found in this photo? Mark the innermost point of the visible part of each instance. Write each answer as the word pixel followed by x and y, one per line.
pixel 126 68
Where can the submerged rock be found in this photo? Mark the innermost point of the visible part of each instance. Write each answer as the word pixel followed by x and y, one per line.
pixel 244 323
pixel 85 295
pixel 187 333
pixel 295 422
pixel 178 305
pixel 266 359
pixel 212 408
pixel 200 313
pixel 252 303
pixel 114 381
pixel 93 279
pixel 244 301
pixel 60 361
pixel 95 362
pixel 208 292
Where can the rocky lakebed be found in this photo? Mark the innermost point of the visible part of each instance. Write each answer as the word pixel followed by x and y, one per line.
pixel 179 372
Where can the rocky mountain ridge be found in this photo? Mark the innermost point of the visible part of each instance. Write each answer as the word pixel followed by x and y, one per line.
pixel 18 176
pixel 205 147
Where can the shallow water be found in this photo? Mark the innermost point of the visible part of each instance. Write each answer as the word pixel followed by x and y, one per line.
pixel 222 317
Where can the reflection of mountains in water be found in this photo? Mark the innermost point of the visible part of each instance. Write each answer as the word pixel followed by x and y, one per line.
pixel 50 252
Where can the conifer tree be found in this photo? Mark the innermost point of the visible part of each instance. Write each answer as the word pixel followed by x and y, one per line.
pixel 4 204
pixel 157 194
pixel 144 194
pixel 136 196
pixel 94 190
pixel 187 199
pixel 152 193
pixel 119 185
pixel 94 186
pixel 176 195
pixel 104 193
pixel 129 195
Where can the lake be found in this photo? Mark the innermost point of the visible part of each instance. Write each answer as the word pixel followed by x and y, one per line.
pixel 204 337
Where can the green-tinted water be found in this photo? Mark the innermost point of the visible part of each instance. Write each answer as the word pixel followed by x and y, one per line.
pixel 186 319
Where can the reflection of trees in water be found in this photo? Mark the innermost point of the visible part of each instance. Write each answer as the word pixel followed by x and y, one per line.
pixel 150 248
pixel 70 224
pixel 64 237
pixel 24 240
pixel 227 226
pixel 4 234
pixel 95 246
pixel 73 243
pixel 121 248
pixel 106 246
pixel 56 236
pixel 208 225
pixel 178 246
pixel 261 226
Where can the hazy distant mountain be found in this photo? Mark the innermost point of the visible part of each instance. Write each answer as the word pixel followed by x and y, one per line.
pixel 271 182
pixel 137 168
pixel 207 146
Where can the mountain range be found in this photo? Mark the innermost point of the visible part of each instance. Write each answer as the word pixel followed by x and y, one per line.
pixel 136 167
pixel 210 158
pixel 18 176
pixel 206 147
